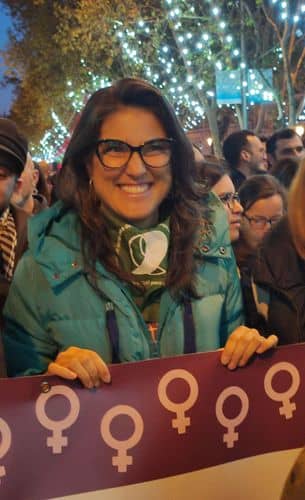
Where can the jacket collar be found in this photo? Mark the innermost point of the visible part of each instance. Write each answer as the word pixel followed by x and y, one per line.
pixel 215 241
pixel 62 259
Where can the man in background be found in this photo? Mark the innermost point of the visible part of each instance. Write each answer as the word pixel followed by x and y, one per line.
pixel 27 196
pixel 283 144
pixel 13 221
pixel 245 154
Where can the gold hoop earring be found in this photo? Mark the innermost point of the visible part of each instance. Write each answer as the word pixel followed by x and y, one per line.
pixel 92 193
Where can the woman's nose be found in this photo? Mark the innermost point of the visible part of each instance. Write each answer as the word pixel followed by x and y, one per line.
pixel 237 207
pixel 135 165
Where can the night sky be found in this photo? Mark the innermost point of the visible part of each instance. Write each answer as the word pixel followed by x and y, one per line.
pixel 5 93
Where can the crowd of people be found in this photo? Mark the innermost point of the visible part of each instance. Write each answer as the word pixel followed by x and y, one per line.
pixel 149 250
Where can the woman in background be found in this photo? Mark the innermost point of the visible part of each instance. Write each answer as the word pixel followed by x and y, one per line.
pixel 216 177
pixel 264 203
pixel 280 270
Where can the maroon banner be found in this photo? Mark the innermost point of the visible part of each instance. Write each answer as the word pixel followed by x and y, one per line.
pixel 158 418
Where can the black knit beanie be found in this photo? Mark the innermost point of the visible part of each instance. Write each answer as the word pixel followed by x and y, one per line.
pixel 13 147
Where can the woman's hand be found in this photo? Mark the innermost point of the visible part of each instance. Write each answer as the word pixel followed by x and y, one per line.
pixel 242 344
pixel 84 364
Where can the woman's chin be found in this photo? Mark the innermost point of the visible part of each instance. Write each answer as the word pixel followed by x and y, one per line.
pixel 234 234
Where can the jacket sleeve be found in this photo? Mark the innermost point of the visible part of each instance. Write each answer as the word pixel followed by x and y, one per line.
pixel 27 345
pixel 233 314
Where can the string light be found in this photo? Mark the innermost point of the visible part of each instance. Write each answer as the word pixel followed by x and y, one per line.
pixel 183 64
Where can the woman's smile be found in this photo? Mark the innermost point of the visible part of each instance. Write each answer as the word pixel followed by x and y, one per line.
pixel 135 188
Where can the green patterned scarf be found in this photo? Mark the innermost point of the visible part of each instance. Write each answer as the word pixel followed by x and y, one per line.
pixel 144 254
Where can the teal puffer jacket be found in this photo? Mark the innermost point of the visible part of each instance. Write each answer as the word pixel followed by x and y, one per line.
pixel 52 306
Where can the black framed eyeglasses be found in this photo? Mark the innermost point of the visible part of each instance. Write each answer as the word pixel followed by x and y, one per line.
pixel 115 154
pixel 260 222
pixel 229 199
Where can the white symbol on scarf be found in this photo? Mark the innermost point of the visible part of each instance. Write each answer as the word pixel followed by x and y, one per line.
pixel 231 423
pixel 122 460
pixel 181 422
pixel 6 440
pixel 287 408
pixel 152 247
pixel 57 441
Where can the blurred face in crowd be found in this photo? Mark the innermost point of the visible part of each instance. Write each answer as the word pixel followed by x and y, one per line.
pixel 260 217
pixel 28 180
pixel 9 184
pixel 288 148
pixel 254 154
pixel 121 178
pixel 225 190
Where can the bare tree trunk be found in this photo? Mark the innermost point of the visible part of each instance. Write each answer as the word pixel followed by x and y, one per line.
pixel 300 107
pixel 239 116
pixel 211 114
pixel 290 93
pixel 260 120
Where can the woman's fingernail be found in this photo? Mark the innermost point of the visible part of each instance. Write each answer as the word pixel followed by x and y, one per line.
pixel 107 378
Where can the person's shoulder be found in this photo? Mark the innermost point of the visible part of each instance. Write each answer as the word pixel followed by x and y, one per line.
pixel 275 251
pixel 53 220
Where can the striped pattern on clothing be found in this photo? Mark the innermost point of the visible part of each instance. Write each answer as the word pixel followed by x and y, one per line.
pixel 8 242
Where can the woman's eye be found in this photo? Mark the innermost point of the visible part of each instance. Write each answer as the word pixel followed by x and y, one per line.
pixel 114 148
pixel 156 148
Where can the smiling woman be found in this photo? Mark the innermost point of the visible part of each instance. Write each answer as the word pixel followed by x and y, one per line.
pixel 135 261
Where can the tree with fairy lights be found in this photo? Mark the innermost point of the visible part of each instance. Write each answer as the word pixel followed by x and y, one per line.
pixel 180 46
pixel 179 51
pixel 276 38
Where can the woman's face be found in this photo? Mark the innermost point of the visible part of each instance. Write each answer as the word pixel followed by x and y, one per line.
pixel 260 217
pixel 135 191
pixel 224 188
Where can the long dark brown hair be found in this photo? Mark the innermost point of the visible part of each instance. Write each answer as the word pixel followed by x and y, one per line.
pixel 185 202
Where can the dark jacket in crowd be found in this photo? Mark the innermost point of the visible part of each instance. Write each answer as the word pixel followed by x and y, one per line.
pixel 246 258
pixel 20 218
pixel 237 178
pixel 281 272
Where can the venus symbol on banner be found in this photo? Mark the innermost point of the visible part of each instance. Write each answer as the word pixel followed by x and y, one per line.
pixel 181 422
pixel 287 408
pixel 6 440
pixel 231 423
pixel 122 460
pixel 57 441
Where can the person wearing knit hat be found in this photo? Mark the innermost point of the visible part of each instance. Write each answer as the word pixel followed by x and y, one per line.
pixel 13 147
pixel 13 221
